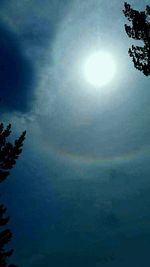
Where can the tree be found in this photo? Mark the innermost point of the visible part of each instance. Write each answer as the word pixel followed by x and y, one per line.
pixel 9 153
pixel 140 30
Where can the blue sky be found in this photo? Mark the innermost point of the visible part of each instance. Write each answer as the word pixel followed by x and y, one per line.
pixel 79 195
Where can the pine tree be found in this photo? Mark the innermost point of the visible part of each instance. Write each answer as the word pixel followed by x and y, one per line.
pixel 140 30
pixel 9 153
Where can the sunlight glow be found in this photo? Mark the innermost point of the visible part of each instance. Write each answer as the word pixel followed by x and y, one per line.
pixel 99 68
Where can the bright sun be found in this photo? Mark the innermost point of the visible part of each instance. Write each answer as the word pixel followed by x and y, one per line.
pixel 99 69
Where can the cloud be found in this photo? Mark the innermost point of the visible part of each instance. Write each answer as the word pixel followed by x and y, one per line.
pixel 24 45
pixel 16 73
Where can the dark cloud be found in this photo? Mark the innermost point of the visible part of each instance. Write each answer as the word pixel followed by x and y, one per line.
pixel 38 32
pixel 3 2
pixel 16 74
pixel 35 36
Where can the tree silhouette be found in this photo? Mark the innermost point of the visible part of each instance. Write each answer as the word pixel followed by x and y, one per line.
pixel 9 153
pixel 140 30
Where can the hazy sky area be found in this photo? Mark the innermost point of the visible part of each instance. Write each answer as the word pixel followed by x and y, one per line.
pixel 80 192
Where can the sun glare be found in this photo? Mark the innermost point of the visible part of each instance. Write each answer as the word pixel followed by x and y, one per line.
pixel 99 68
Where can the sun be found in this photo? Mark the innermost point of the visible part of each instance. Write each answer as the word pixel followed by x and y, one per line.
pixel 99 68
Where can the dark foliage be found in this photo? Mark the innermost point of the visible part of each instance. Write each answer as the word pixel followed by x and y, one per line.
pixel 9 153
pixel 140 30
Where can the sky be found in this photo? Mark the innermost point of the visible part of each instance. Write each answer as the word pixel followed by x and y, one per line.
pixel 80 192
